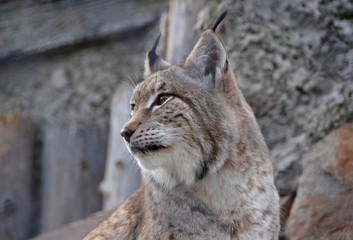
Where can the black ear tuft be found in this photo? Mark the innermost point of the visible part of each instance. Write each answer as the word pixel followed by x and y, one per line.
pixel 152 56
pixel 153 62
pixel 219 20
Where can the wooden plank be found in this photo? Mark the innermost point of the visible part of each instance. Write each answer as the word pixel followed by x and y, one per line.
pixel 16 161
pixel 181 35
pixel 76 230
pixel 122 176
pixel 29 27
pixel 72 168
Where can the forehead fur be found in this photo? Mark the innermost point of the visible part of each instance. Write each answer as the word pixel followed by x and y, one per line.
pixel 172 80
pixel 176 79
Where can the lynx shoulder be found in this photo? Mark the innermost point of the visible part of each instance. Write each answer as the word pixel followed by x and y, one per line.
pixel 206 168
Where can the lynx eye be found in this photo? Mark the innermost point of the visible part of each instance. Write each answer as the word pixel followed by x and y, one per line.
pixel 132 107
pixel 160 99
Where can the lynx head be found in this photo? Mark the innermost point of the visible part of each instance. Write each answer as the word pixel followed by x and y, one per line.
pixel 180 125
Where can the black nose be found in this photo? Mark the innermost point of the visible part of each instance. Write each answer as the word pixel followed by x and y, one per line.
pixel 126 134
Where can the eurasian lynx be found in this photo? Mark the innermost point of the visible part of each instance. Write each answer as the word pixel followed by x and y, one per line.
pixel 205 165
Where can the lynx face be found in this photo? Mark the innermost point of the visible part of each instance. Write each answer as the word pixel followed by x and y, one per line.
pixel 182 117
pixel 177 129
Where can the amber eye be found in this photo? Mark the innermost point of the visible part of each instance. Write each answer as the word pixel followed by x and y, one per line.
pixel 160 100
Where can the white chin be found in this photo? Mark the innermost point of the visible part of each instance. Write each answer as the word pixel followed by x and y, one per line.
pixel 150 160
pixel 170 168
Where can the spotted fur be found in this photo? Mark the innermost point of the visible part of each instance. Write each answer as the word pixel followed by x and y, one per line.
pixel 205 165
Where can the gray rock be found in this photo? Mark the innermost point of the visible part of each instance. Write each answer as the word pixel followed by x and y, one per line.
pixel 75 84
pixel 293 61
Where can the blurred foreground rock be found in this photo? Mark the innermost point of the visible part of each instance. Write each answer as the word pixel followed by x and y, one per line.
pixel 75 230
pixel 323 208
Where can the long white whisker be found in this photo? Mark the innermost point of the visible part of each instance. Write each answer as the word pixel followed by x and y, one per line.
pixel 128 84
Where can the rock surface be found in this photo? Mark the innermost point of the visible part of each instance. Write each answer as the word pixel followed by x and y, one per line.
pixel 67 67
pixel 323 206
pixel 294 62
pixel 74 85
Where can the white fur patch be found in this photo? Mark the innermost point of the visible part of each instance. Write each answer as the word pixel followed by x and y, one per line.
pixel 173 166
pixel 150 100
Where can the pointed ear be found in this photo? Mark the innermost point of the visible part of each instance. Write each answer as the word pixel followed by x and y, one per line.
pixel 153 62
pixel 209 57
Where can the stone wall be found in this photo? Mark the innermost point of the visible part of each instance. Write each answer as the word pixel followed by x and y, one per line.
pixel 72 84
pixel 294 62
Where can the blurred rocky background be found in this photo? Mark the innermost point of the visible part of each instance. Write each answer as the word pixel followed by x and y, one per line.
pixel 66 70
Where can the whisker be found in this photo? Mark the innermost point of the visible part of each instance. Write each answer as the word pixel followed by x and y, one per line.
pixel 134 162
pixel 128 85
pixel 133 78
